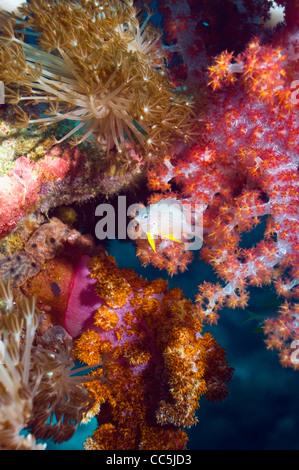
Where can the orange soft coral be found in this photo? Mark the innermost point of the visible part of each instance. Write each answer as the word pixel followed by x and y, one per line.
pixel 243 172
pixel 281 332
pixel 156 363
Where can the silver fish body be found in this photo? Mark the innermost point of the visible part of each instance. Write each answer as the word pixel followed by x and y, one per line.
pixel 170 218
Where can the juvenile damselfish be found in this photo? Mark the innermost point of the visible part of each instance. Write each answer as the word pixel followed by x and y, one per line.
pixel 170 218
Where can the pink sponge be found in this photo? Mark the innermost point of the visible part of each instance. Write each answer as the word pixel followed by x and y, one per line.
pixel 20 188
pixel 83 300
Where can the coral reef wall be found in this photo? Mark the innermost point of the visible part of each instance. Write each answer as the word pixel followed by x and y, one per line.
pixel 195 125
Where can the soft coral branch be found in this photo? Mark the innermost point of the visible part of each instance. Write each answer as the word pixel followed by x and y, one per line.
pixel 243 170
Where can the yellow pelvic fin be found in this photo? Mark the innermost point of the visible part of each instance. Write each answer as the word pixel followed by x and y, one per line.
pixel 170 237
pixel 151 241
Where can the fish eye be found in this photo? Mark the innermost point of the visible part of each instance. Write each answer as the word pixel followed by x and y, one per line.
pixel 145 216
